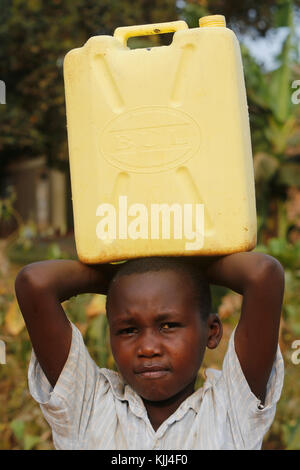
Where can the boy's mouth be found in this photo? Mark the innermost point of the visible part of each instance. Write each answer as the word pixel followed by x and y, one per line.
pixel 153 371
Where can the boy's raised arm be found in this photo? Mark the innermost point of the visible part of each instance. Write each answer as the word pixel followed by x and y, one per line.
pixel 40 288
pixel 259 278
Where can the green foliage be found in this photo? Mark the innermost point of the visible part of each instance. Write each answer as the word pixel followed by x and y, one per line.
pixel 287 253
pixel 255 18
pixel 34 37
pixel 7 204
pixel 26 440
pixel 192 12
pixel 25 250
pixel 289 256
pixel 97 336
pixel 292 436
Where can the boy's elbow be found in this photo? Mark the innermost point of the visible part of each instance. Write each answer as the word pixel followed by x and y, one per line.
pixel 27 276
pixel 270 268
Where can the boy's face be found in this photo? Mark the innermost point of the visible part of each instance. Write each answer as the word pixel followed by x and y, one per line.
pixel 158 338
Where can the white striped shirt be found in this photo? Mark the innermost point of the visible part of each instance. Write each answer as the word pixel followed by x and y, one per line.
pixel 92 407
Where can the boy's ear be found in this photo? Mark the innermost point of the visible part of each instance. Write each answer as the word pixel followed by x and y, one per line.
pixel 215 331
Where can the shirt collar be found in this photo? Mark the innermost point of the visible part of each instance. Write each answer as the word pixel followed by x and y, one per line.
pixel 123 392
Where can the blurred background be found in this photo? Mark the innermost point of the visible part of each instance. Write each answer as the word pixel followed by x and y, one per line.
pixel 36 220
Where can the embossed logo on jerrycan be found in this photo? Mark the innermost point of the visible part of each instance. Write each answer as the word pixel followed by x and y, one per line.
pixel 159 144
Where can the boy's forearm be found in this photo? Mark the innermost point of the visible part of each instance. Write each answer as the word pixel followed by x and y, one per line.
pixel 40 289
pixel 237 271
pixel 67 278
pixel 259 278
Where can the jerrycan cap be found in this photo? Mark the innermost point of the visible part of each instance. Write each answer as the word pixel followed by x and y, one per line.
pixel 212 20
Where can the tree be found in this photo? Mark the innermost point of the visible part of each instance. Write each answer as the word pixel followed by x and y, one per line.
pixel 255 18
pixel 34 38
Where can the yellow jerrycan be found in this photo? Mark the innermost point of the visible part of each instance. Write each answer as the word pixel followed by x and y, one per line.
pixel 159 144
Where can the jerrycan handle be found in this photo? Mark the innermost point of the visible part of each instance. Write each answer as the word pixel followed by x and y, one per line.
pixel 123 33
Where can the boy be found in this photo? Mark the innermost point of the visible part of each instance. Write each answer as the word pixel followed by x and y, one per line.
pixel 160 325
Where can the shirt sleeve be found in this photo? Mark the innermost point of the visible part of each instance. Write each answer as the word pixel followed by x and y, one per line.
pixel 249 419
pixel 67 406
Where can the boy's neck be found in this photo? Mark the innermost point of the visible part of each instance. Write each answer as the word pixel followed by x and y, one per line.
pixel 159 411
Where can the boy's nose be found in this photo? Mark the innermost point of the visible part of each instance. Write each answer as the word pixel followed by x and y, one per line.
pixel 149 345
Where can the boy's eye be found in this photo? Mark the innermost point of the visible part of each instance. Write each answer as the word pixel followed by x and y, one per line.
pixel 128 331
pixel 169 325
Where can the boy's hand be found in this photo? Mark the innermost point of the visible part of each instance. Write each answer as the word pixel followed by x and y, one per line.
pixel 259 278
pixel 40 288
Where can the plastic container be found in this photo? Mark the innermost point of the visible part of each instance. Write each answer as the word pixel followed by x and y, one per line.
pixel 159 144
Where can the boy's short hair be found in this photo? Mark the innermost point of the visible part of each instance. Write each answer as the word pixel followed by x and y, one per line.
pixel 143 265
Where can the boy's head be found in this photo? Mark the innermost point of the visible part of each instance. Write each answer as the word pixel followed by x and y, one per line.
pixel 159 312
